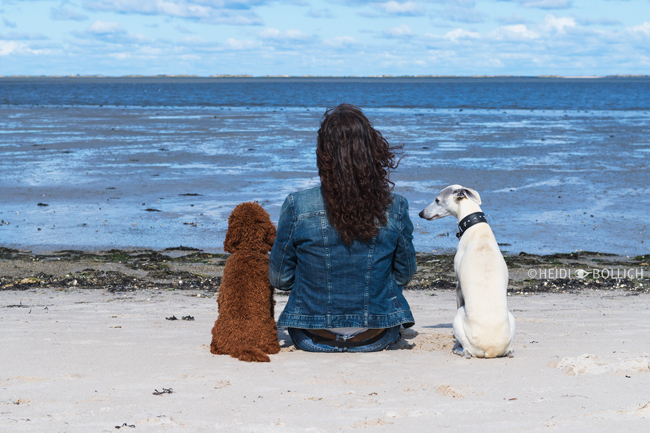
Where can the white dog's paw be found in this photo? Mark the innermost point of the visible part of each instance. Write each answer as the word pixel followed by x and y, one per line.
pixel 458 350
pixel 510 354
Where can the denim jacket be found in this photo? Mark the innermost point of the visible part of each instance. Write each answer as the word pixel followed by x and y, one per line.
pixel 334 285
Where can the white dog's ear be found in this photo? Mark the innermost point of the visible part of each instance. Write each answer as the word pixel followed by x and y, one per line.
pixel 467 193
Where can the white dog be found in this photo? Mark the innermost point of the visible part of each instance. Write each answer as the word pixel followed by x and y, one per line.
pixel 483 326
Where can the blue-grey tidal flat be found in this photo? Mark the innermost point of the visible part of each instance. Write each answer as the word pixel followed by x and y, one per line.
pixel 561 165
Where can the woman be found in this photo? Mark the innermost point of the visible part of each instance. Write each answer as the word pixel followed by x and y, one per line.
pixel 345 248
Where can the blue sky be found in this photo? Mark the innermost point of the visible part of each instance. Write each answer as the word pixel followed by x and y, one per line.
pixel 336 37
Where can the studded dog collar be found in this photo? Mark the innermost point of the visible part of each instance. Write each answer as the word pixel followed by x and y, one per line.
pixel 469 221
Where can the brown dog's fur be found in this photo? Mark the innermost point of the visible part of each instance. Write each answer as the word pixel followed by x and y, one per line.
pixel 246 328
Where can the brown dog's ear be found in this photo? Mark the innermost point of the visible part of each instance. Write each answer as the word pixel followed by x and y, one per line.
pixel 232 241
pixel 270 234
pixel 233 235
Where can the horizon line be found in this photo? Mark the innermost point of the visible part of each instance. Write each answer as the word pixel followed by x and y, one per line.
pixel 325 76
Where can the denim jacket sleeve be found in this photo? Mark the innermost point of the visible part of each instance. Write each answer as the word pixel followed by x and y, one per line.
pixel 404 265
pixel 282 263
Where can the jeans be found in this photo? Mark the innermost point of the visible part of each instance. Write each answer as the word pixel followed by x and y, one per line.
pixel 303 342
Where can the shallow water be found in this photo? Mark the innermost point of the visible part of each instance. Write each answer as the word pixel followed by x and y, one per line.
pixel 551 180
pixel 561 165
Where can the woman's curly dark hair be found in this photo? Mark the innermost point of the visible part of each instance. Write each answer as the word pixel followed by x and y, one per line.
pixel 354 161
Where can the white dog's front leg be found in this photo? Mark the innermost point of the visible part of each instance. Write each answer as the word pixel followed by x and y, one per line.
pixel 462 343
pixel 460 301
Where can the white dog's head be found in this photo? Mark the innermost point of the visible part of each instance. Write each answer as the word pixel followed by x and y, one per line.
pixel 447 202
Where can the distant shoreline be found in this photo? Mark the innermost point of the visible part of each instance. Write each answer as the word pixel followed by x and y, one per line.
pixel 247 76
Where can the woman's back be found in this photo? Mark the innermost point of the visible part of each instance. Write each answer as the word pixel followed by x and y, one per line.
pixel 336 285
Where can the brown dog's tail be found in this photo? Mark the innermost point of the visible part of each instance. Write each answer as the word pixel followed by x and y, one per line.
pixel 251 354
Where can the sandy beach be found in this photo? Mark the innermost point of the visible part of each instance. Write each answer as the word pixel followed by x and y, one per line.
pixel 79 361
pixel 78 357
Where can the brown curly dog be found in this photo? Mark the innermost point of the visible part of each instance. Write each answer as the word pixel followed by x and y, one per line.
pixel 246 328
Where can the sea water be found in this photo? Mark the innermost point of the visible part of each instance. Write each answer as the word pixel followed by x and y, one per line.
pixel 561 164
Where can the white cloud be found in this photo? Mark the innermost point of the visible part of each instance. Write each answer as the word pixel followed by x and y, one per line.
pixel 643 29
pixel 7 48
pixel 105 28
pixel 240 45
pixel 457 34
pixel 398 32
pixel 270 33
pixel 11 47
pixel 296 34
pixel 515 32
pixel 559 24
pixel 409 8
